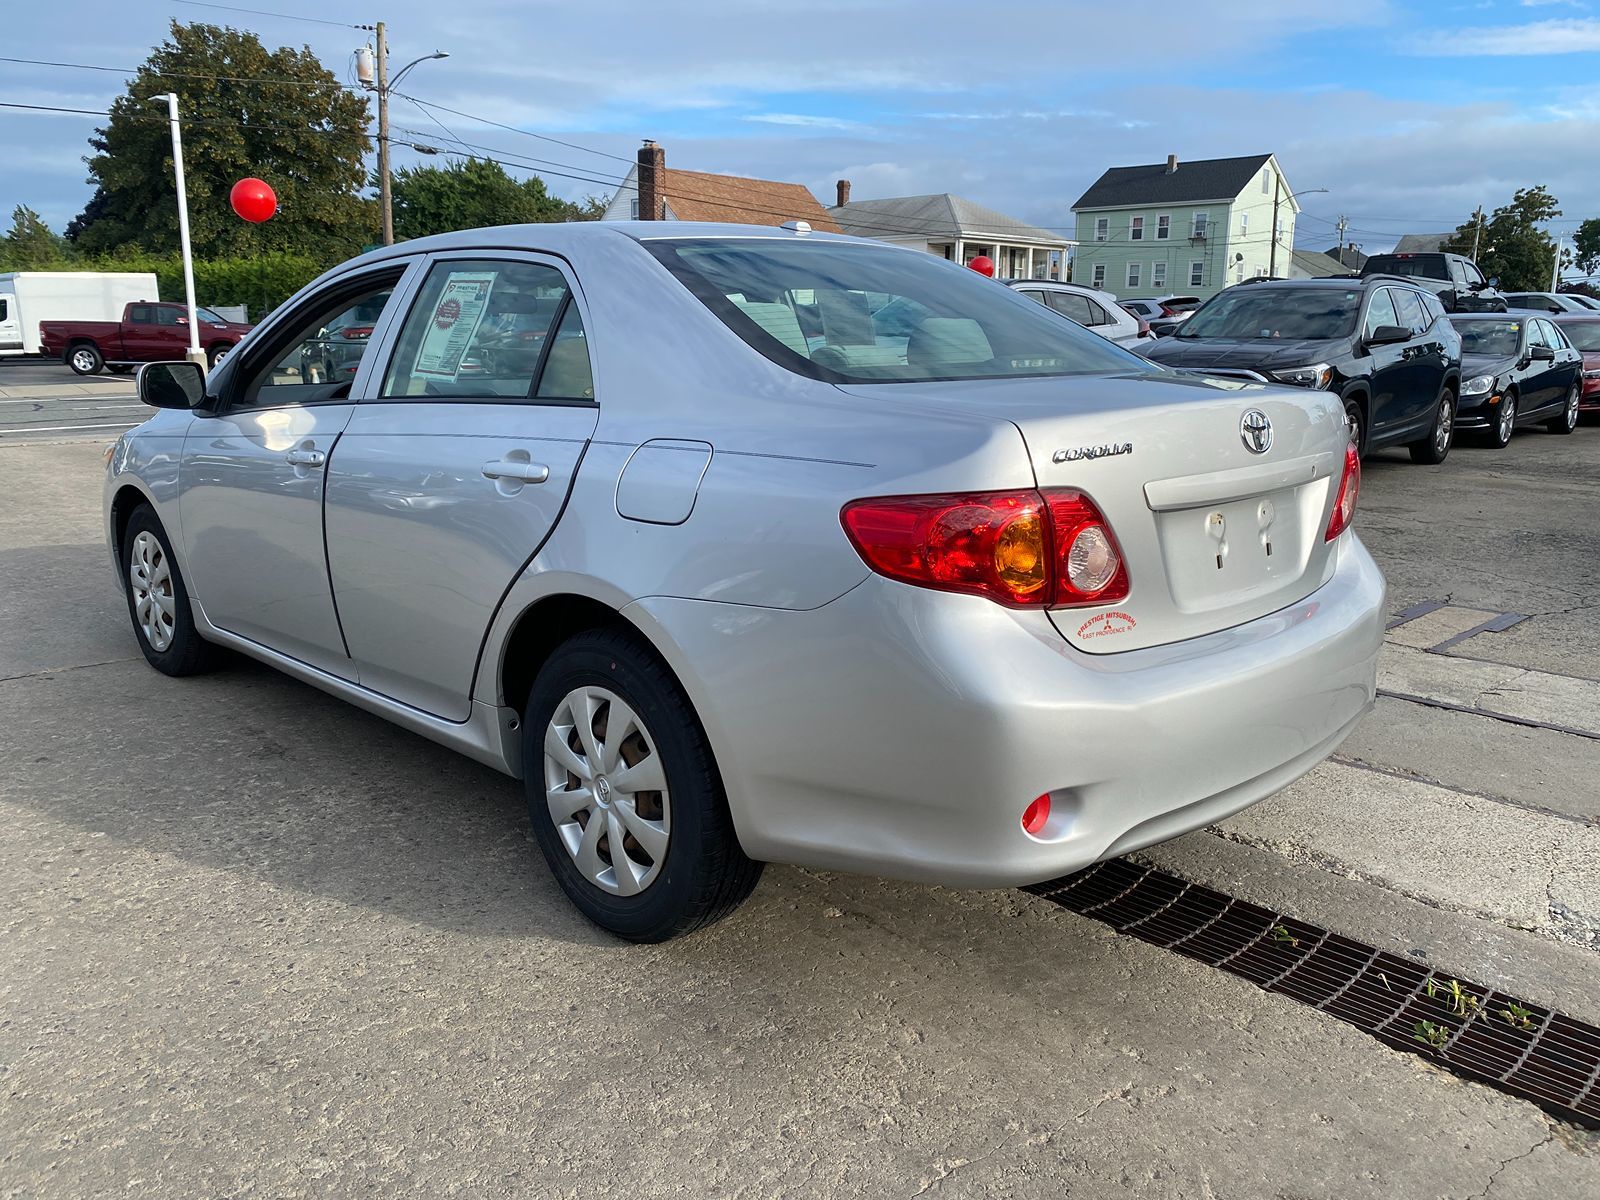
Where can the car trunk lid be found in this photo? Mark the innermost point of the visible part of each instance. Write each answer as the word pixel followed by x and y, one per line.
pixel 1214 532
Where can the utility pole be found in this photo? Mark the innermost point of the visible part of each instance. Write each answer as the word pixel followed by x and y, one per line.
pixel 1555 271
pixel 385 197
pixel 1477 231
pixel 195 354
pixel 1344 224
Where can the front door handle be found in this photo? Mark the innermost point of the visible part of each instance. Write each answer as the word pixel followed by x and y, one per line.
pixel 305 458
pixel 522 472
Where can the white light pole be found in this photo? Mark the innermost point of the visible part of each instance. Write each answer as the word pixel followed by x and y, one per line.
pixel 1555 271
pixel 195 354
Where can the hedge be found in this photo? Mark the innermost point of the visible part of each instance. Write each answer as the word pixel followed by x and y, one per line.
pixel 260 283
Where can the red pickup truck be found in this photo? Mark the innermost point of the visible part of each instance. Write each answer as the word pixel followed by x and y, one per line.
pixel 148 332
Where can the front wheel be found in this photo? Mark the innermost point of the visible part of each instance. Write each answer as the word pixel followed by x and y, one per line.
pixel 627 805
pixel 1505 423
pixel 85 359
pixel 1435 448
pixel 1568 420
pixel 158 600
pixel 1356 423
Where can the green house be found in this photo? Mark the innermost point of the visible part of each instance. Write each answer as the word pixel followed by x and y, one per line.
pixel 1187 229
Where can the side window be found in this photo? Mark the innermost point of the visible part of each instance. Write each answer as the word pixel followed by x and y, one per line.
pixel 139 314
pixel 1071 304
pixel 1544 334
pixel 315 357
pixel 1380 311
pixel 5 310
pixel 567 373
pixel 1039 296
pixel 1412 314
pixel 167 315
pixel 1098 315
pixel 479 328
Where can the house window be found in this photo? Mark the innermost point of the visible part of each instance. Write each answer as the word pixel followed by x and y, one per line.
pixel 1202 221
pixel 1238 273
pixel 1280 229
pixel 1197 274
pixel 1266 181
pixel 1158 274
pixel 1163 227
pixel 1133 274
pixel 1102 228
pixel 633 209
pixel 1136 229
pixel 1099 278
pixel 1244 223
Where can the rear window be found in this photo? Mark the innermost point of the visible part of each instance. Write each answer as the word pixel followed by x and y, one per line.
pixel 1499 338
pixel 850 313
pixel 1413 266
pixel 1269 313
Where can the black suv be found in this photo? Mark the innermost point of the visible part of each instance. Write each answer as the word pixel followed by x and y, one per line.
pixel 1383 345
pixel 1453 278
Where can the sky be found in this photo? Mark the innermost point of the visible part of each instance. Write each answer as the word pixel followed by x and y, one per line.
pixel 1409 112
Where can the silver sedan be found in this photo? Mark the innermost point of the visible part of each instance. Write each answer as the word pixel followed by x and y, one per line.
pixel 689 527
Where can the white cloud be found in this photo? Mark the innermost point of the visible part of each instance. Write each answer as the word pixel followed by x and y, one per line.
pixel 802 121
pixel 1571 35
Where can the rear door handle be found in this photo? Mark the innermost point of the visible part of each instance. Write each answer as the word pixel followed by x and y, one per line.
pixel 306 458
pixel 522 472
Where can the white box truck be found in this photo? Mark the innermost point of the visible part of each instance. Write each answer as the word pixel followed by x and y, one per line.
pixel 28 297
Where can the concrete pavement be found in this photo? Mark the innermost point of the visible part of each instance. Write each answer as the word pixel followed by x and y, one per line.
pixel 255 942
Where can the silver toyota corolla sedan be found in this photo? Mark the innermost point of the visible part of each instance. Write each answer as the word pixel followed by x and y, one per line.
pixel 745 545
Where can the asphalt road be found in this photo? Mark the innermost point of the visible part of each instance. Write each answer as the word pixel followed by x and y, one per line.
pixel 40 400
pixel 255 942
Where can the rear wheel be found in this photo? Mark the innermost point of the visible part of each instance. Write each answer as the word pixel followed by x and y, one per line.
pixel 120 368
pixel 1568 420
pixel 216 354
pixel 1505 422
pixel 626 801
pixel 1435 448
pixel 85 359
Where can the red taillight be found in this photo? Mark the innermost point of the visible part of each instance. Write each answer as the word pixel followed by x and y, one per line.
pixel 1021 548
pixel 1144 327
pixel 357 333
pixel 1344 507
pixel 1036 814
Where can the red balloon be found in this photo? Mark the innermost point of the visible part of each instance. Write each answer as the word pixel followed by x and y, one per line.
pixel 983 265
pixel 253 199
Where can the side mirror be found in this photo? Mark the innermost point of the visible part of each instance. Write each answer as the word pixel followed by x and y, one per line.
pixel 1542 354
pixel 1495 282
pixel 1388 335
pixel 172 385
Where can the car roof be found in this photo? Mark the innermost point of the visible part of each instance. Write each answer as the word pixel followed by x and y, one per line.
pixel 1574 316
pixel 1494 316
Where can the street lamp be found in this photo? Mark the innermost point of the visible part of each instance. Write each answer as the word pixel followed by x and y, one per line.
pixel 1272 266
pixel 383 85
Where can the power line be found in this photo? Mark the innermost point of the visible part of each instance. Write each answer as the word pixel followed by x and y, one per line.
pixel 261 12
pixel 513 129
pixel 300 83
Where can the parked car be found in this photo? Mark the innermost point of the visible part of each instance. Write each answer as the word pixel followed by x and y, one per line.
pixel 1454 278
pixel 978 605
pixel 336 351
pixel 1095 310
pixel 1587 301
pixel 28 298
pixel 1516 370
pixel 1164 313
pixel 1583 332
pixel 1548 302
pixel 1384 347
pixel 148 332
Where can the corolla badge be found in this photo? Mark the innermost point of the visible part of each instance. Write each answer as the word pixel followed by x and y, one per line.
pixel 1082 452
pixel 1255 430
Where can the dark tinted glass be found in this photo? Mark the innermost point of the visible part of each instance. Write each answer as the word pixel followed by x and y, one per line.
pixel 1585 335
pixel 1499 338
pixel 1268 313
pixel 1415 266
pixel 863 314
pixel 1412 314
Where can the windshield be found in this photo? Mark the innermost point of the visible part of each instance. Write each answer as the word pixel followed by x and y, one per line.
pixel 1499 338
pixel 1412 266
pixel 1584 335
pixel 205 314
pixel 851 313
pixel 1291 314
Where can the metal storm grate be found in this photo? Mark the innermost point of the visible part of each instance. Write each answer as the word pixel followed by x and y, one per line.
pixel 1531 1052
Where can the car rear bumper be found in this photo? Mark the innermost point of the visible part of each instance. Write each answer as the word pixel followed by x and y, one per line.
pixel 901 732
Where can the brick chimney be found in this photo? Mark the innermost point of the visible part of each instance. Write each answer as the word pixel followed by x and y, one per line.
pixel 844 192
pixel 1172 163
pixel 652 181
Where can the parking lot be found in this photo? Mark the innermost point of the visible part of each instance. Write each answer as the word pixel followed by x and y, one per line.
pixel 256 942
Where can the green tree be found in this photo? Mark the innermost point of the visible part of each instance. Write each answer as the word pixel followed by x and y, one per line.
pixel 1586 247
pixel 246 110
pixel 472 194
pixel 30 246
pixel 1513 247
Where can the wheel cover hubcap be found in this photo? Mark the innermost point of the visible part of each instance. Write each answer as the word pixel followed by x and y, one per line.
pixel 1508 419
pixel 1572 407
pixel 606 789
pixel 83 359
pixel 1441 440
pixel 150 582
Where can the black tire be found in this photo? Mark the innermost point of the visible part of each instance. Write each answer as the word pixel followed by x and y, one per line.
pixel 120 368
pixel 186 653
pixel 85 358
pixel 1435 447
pixel 1567 420
pixel 1357 421
pixel 1498 435
pixel 216 354
pixel 704 874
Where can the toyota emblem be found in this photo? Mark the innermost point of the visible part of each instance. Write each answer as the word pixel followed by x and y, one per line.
pixel 1255 430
